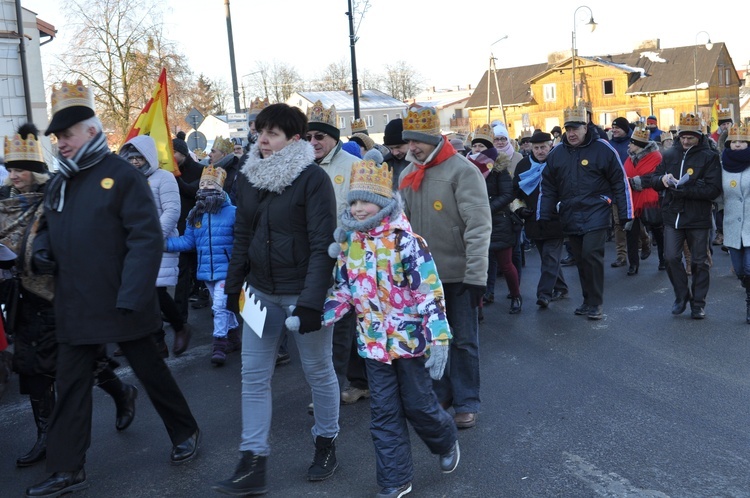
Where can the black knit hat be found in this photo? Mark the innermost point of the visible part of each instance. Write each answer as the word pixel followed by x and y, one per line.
pixel 392 134
pixel 622 124
pixel 180 146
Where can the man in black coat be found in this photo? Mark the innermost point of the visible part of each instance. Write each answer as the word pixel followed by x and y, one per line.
pixel 690 176
pixel 581 181
pixel 107 242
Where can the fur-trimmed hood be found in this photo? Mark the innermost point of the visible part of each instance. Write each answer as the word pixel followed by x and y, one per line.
pixel 277 172
pixel 502 163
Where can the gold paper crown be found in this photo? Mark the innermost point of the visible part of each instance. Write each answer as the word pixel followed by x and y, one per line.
pixel 372 177
pixel 223 145
pixel 575 114
pixel 217 175
pixel 724 114
pixel 641 133
pixel 484 132
pixel 317 113
pixel 741 133
pixel 256 106
pixel 18 149
pixel 71 95
pixel 424 120
pixel 359 126
pixel 667 135
pixel 690 122
pixel 526 133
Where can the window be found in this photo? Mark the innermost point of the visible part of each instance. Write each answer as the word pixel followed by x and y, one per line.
pixel 369 121
pixel 385 119
pixel 342 122
pixel 550 92
pixel 608 87
pixel 727 77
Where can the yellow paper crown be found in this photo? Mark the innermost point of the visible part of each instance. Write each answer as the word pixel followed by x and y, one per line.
pixel 690 122
pixel 424 120
pixel 667 135
pixel 223 145
pixel 317 113
pixel 256 106
pixel 217 175
pixel 736 132
pixel 68 95
pixel 18 149
pixel 526 133
pixel 724 114
pixel 369 176
pixel 641 133
pixel 484 132
pixel 359 126
pixel 576 114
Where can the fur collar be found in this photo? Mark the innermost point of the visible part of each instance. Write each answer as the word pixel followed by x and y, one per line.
pixel 502 163
pixel 648 149
pixel 277 172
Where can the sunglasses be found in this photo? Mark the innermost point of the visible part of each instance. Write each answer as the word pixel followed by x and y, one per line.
pixel 317 136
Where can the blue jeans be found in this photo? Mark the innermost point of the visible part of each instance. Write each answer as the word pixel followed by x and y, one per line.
pixel 740 261
pixel 223 318
pixel 258 362
pixel 460 382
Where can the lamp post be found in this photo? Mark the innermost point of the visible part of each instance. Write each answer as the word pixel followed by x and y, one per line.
pixel 493 71
pixel 573 48
pixel 709 46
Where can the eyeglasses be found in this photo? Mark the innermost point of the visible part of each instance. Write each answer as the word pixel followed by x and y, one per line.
pixel 138 159
pixel 501 139
pixel 317 136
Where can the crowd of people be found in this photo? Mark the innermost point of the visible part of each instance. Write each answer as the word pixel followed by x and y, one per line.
pixel 375 260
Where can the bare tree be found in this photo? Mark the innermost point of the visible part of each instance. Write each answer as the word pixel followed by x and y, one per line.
pixel 401 81
pixel 275 81
pixel 336 76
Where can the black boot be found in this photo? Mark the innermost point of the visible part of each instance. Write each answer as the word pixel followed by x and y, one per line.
pixel 248 479
pixel 59 483
pixel 123 394
pixel 324 463
pixel 42 409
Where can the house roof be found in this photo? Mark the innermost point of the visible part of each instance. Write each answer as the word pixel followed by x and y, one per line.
pixel 441 103
pixel 369 100
pixel 650 70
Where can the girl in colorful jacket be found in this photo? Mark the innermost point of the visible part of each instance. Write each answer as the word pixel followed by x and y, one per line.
pixel 210 232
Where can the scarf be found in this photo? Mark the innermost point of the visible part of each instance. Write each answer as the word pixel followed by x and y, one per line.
pixel 507 149
pixel 530 179
pixel 643 163
pixel 484 160
pixel 91 153
pixel 391 211
pixel 414 179
pixel 277 172
pixel 735 161
pixel 207 200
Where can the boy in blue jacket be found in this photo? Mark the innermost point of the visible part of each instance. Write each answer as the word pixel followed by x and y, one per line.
pixel 210 232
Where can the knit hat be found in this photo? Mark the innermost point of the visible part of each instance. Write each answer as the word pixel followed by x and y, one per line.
pixel 180 146
pixel 352 148
pixel 321 119
pixel 484 135
pixel 458 144
pixel 540 137
pixel 223 145
pixel 622 124
pixel 371 180
pixel 500 130
pixel 640 136
pixel 690 124
pixel 23 151
pixel 363 140
pixel 422 125
pixel 651 120
pixel 725 116
pixel 216 175
pixel 71 104
pixel 392 134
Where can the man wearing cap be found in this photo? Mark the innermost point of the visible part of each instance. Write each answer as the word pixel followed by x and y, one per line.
pixel 445 199
pixel 655 132
pixel 690 177
pixel 397 148
pixel 581 181
pixel 105 235
pixel 547 235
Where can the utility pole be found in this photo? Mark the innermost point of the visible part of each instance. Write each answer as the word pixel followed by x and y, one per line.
pixel 352 43
pixel 235 90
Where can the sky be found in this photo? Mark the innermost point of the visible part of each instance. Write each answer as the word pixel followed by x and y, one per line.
pixel 448 47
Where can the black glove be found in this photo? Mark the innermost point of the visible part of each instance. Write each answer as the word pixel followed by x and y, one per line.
pixel 309 320
pixel 124 311
pixel 524 212
pixel 475 293
pixel 233 303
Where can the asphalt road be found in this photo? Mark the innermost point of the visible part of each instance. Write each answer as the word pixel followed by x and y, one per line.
pixel 639 404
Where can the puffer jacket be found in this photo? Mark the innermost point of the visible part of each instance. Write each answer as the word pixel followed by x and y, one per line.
pixel 581 183
pixel 211 237
pixel 690 204
pixel 500 192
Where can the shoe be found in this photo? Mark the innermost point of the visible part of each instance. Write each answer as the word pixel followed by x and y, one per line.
pixel 697 313
pixel 324 462
pixel 488 298
pixel 633 270
pixel 618 263
pixel 181 340
pixel 465 420
pixel 569 261
pixel 249 477
pixel 559 294
pixel 117 352
pixel 125 405
pixel 679 307
pixel 58 484
pixel 282 359
pixel 582 309
pixel 516 304
pixel 662 265
pixel 219 353
pixel 235 340
pixel 311 409
pixel 352 394
pixel 645 253
pixel 186 450
pixel 394 492
pixel 449 461
pixel 542 302
pixel 595 313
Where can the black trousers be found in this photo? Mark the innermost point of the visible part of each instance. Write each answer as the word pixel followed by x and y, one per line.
pixel 69 435
pixel 346 360
pixel 551 278
pixel 588 250
pixel 697 241
pixel 187 267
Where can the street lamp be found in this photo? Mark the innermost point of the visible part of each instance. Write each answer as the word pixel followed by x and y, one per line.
pixel 709 46
pixel 493 71
pixel 592 24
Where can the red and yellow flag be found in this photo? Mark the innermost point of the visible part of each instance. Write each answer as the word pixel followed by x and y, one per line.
pixel 152 121
pixel 715 114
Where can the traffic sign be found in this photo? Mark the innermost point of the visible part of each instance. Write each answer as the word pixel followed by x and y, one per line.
pixel 237 116
pixel 194 118
pixel 237 134
pixel 196 140
pixel 237 125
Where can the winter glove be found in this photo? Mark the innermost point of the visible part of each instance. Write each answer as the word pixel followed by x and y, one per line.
pixel 628 226
pixel 309 320
pixel 524 212
pixel 437 360
pixel 475 293
pixel 233 303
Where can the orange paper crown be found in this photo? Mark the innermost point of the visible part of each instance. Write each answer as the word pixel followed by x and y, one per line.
pixel 576 114
pixel 484 132
pixel 256 106
pixel 223 145
pixel 690 122
pixel 724 114
pixel 18 149
pixel 736 132
pixel 424 120
pixel 68 95
pixel 369 176
pixel 359 126
pixel 641 133
pixel 217 175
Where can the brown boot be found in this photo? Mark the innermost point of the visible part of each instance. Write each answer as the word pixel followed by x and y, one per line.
pixel 181 340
